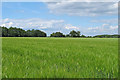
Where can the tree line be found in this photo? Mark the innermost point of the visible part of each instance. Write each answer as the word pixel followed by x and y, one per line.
pixel 18 32
pixel 107 36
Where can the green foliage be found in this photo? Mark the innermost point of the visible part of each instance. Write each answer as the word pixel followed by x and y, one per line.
pixel 89 36
pixel 35 33
pixel 57 34
pixel 18 32
pixel 67 35
pixel 107 36
pixel 4 31
pixel 59 58
pixel 15 32
pixel 74 33
pixel 82 36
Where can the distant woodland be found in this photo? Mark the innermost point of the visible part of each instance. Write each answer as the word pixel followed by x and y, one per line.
pixel 18 32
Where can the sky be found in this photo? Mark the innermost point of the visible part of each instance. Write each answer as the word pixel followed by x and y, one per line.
pixel 90 18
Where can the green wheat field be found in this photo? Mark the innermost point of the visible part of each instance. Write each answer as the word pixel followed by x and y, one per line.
pixel 59 57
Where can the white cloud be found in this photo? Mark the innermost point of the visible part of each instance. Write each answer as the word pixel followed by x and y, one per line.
pixel 69 26
pixel 7 24
pixel 83 8
pixel 103 29
pixel 105 25
pixel 108 21
pixel 10 23
pixel 35 23
pixel 113 27
pixel 93 28
pixel 43 28
pixel 3 25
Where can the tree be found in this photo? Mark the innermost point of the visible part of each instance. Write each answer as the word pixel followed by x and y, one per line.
pixel 4 31
pixel 0 31
pixel 21 32
pixel 18 32
pixel 67 35
pixel 83 36
pixel 107 36
pixel 57 34
pixel 12 32
pixel 89 36
pixel 38 33
pixel 29 33
pixel 74 33
pixel 35 33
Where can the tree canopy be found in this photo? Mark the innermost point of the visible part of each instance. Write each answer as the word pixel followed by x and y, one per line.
pixel 18 32
pixel 57 34
pixel 74 33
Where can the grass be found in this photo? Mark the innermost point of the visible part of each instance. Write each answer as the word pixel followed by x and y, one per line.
pixel 59 58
